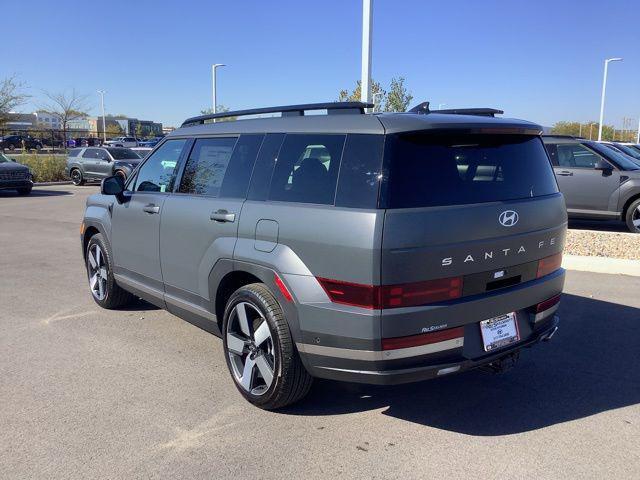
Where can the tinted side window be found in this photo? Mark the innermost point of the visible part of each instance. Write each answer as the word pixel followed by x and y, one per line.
pixel 90 153
pixel 259 188
pixel 158 172
pixel 236 180
pixel 552 150
pixel 307 169
pixel 360 172
pixel 206 166
pixel 576 156
pixel 74 153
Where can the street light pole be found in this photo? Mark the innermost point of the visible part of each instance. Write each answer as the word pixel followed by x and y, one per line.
pixel 213 85
pixel 367 26
pixel 638 136
pixel 604 88
pixel 104 121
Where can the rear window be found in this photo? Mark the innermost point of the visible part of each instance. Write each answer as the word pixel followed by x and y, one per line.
pixel 75 152
pixel 123 154
pixel 436 170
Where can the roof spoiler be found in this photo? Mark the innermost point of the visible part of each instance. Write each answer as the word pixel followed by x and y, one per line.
pixel 423 109
pixel 332 108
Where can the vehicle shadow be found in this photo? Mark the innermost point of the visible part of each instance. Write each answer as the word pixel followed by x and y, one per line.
pixel 599 225
pixel 36 192
pixel 590 366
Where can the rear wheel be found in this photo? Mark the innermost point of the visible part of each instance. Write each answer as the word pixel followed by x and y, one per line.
pixel 121 174
pixel 76 177
pixel 104 289
pixel 24 191
pixel 259 350
pixel 633 216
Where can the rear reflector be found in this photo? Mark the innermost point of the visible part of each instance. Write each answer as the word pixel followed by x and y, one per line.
pixel 392 296
pixel 283 288
pixel 547 304
pixel 549 265
pixel 422 339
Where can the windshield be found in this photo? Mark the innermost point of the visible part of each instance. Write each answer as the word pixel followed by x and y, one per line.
pixel 123 154
pixel 623 161
pixel 632 152
pixel 429 170
pixel 4 158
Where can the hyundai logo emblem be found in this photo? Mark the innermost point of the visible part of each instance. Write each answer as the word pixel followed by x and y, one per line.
pixel 508 218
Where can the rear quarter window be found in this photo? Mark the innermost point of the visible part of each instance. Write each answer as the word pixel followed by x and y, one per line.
pixel 429 170
pixel 74 152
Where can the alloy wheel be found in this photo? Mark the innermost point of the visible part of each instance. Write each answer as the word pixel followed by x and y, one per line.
pixel 635 218
pixel 75 177
pixel 250 348
pixel 98 272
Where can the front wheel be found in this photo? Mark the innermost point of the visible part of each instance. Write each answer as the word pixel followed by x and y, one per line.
pixel 76 177
pixel 24 191
pixel 104 289
pixel 259 350
pixel 633 216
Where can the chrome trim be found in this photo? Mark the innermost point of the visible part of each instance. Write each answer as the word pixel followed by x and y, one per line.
pixel 377 355
pixel 546 313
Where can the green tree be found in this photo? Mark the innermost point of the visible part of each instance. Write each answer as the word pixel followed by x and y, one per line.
pixel 114 130
pixel 399 98
pixel 11 96
pixel 587 130
pixel 377 94
pixel 219 109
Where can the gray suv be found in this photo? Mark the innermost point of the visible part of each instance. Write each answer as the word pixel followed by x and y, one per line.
pixel 375 248
pixel 96 163
pixel 598 182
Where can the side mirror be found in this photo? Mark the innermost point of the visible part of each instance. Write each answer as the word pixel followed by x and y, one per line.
pixel 604 166
pixel 113 186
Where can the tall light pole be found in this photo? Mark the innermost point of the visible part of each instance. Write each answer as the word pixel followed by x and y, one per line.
pixel 213 84
pixel 604 88
pixel 367 26
pixel 638 136
pixel 104 121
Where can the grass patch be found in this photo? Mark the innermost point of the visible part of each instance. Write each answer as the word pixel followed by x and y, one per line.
pixel 45 168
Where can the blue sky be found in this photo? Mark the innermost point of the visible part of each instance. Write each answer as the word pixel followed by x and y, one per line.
pixel 540 60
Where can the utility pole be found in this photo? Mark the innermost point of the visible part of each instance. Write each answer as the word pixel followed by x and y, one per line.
pixel 367 26
pixel 590 128
pixel 104 121
pixel 580 130
pixel 604 89
pixel 213 85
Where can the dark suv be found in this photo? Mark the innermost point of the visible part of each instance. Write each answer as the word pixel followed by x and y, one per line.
pixel 369 248
pixel 14 176
pixel 13 142
pixel 86 164
pixel 598 182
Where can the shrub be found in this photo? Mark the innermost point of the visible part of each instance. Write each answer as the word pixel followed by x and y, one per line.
pixel 45 168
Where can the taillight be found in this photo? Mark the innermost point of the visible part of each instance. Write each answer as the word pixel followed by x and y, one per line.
pixel 420 293
pixel 422 339
pixel 392 296
pixel 549 265
pixel 547 304
pixel 356 294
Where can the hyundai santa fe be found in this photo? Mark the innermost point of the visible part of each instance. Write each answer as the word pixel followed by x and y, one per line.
pixel 374 248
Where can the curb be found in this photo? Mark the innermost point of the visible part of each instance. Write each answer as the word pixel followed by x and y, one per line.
pixel 49 184
pixel 608 265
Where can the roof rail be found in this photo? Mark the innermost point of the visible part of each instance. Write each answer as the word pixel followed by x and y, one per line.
pixel 423 108
pixel 332 108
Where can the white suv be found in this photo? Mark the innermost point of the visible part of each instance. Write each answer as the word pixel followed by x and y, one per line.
pixel 123 142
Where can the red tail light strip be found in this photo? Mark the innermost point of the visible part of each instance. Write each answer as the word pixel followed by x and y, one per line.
pixel 422 339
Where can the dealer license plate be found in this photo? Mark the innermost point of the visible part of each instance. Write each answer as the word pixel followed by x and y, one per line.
pixel 500 331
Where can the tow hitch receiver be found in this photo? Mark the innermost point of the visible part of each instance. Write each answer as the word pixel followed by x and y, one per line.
pixel 502 364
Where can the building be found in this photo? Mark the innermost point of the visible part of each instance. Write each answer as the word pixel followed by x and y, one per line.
pixel 21 121
pixel 144 128
pixel 47 120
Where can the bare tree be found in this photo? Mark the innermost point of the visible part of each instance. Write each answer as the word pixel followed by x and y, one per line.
pixel 11 96
pixel 67 107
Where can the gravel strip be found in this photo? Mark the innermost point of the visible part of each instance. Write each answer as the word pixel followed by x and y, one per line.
pixel 603 244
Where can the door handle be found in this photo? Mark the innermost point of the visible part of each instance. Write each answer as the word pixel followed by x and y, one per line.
pixel 223 216
pixel 151 208
pixel 565 174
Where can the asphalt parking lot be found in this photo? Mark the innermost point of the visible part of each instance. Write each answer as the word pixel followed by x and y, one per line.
pixel 89 393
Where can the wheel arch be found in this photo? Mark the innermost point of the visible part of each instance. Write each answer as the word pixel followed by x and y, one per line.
pixel 632 198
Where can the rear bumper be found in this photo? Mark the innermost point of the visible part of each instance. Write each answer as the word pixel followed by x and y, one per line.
pixel 415 374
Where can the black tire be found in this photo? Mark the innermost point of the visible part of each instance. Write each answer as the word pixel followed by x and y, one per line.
pixel 12 147
pixel 122 174
pixel 76 177
pixel 24 191
pixel 114 296
pixel 633 215
pixel 291 382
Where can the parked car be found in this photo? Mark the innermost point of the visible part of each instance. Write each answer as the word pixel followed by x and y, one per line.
pixel 87 142
pixel 598 182
pixel 13 142
pixel 142 151
pixel 626 149
pixel 122 142
pixel 14 176
pixel 90 164
pixel 377 248
pixel 149 143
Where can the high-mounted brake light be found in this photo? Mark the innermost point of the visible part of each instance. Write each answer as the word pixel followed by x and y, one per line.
pixel 549 265
pixel 392 296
